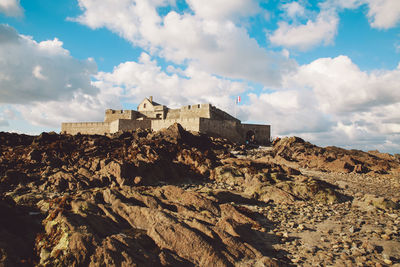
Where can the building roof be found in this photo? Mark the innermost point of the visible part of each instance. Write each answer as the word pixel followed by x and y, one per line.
pixel 155 103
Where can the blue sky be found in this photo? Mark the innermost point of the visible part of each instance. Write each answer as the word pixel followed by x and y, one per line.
pixel 327 71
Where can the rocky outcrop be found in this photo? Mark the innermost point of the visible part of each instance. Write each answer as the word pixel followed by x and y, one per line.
pixel 303 154
pixel 167 198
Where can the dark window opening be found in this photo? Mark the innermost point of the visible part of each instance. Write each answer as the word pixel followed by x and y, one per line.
pixel 250 137
pixel 144 105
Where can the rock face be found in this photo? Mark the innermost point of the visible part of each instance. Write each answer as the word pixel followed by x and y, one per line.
pixel 307 155
pixel 173 198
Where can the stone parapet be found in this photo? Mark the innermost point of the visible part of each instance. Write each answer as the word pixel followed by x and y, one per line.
pixel 85 127
pixel 190 124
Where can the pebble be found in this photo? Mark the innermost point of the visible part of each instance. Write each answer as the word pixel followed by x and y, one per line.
pixel 387 261
pixel 295 260
pixel 347 243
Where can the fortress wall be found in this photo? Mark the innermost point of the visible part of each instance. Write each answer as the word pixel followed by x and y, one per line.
pixel 85 127
pixel 199 111
pixel 112 115
pixel 225 129
pixel 149 114
pixel 262 132
pixel 127 125
pixel 154 114
pixel 217 114
pixel 195 111
pixel 173 114
pixel 191 124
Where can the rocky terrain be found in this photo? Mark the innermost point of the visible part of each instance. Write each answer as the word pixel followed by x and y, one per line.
pixel 173 198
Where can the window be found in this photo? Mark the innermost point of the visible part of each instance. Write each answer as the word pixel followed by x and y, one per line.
pixel 144 105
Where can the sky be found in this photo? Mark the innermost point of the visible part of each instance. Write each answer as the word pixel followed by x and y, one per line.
pixel 327 71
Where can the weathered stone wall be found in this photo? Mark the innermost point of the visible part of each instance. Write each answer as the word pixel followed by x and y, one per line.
pixel 191 124
pixel 146 105
pixel 173 114
pixel 217 114
pixel 262 133
pixel 112 115
pixel 127 125
pixel 85 127
pixel 226 129
pixel 190 111
pixel 195 111
pixel 159 114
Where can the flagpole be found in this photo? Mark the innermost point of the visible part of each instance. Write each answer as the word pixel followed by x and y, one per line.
pixel 235 107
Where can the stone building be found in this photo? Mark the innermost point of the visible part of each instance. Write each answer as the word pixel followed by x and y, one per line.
pixel 203 118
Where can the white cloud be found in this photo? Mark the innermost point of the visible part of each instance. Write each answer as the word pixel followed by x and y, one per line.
pixel 384 14
pixel 218 46
pixel 341 4
pixel 306 36
pixel 11 8
pixel 81 107
pixel 291 112
pixel 32 71
pixel 224 9
pixel 294 10
pixel 341 86
pixel 37 72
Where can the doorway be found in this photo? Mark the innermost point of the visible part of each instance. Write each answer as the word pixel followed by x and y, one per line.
pixel 250 137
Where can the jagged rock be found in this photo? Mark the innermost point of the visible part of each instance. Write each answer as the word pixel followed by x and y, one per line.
pixel 377 202
pixel 291 189
pixel 17 235
pixel 117 170
pixel 303 154
pixel 35 155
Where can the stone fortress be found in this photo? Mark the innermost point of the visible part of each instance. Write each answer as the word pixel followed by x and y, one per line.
pixel 203 118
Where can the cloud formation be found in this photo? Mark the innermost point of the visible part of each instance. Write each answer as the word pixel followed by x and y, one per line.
pixel 294 10
pixel 341 87
pixel 211 40
pixel 11 8
pixel 330 101
pixel 384 14
pixel 224 9
pixel 322 30
pixel 44 71
pixel 178 87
